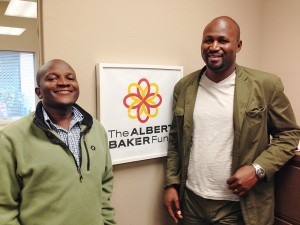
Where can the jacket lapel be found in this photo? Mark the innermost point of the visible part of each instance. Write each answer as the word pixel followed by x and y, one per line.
pixel 190 99
pixel 241 98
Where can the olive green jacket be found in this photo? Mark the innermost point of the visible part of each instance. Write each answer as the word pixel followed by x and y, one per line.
pixel 261 110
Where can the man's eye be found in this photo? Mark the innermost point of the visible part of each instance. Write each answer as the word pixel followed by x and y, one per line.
pixel 223 41
pixel 208 41
pixel 51 78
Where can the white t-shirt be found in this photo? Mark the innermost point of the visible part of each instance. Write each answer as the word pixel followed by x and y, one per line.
pixel 211 152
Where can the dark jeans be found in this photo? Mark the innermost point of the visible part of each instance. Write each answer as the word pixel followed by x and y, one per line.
pixel 201 211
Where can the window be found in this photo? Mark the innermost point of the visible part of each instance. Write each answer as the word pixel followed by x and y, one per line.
pixel 17 97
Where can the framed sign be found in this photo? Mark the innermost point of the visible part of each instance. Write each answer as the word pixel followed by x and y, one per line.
pixel 135 107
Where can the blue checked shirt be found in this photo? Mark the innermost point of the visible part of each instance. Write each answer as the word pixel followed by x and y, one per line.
pixel 70 137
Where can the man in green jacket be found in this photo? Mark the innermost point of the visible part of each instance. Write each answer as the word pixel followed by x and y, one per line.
pixel 233 128
pixel 55 166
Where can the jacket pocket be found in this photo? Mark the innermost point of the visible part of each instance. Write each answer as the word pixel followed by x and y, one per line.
pixel 255 124
pixel 256 113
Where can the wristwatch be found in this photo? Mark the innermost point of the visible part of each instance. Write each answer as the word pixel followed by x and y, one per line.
pixel 260 172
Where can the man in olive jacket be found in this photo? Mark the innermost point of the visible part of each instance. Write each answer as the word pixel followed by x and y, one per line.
pixel 231 180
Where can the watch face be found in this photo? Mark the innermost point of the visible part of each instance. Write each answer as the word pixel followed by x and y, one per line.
pixel 260 172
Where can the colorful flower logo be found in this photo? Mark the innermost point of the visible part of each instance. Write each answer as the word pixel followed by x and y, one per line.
pixel 142 100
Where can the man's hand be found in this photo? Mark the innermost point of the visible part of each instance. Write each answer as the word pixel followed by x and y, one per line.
pixel 171 202
pixel 243 180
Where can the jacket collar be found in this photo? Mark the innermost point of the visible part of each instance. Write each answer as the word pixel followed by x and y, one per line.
pixel 39 121
pixel 39 117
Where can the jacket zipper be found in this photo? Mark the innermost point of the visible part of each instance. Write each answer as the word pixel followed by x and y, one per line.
pixel 88 159
pixel 80 174
pixel 87 153
pixel 77 166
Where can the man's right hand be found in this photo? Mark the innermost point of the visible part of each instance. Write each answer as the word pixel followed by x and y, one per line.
pixel 171 202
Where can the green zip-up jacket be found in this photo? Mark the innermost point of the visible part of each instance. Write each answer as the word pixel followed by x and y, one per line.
pixel 261 111
pixel 40 183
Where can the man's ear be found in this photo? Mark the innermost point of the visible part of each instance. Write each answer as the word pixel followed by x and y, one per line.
pixel 38 92
pixel 239 47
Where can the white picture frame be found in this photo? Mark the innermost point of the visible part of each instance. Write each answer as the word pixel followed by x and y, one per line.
pixel 134 104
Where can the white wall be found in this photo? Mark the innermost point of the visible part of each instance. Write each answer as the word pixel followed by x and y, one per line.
pixel 280 45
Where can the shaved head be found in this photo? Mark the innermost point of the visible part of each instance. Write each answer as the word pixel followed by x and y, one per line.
pixel 43 70
pixel 227 20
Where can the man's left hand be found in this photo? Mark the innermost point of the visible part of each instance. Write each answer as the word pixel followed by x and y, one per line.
pixel 242 180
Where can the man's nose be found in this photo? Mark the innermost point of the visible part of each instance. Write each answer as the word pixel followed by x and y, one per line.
pixel 63 81
pixel 215 46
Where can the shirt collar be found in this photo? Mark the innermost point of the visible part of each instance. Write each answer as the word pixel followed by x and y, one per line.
pixel 77 117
